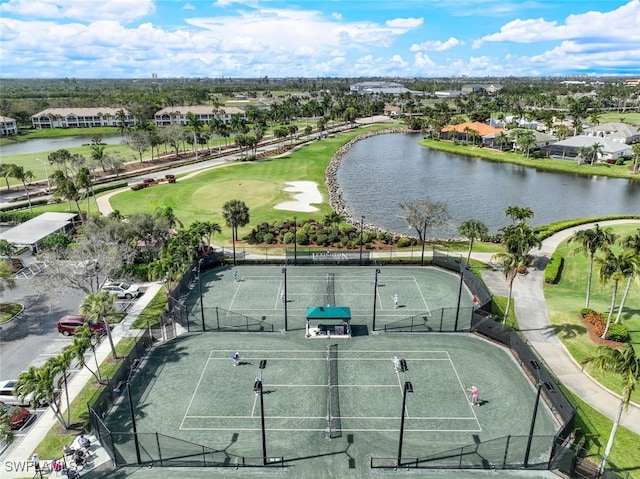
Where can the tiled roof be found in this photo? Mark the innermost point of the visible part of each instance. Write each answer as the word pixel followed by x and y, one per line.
pixel 481 128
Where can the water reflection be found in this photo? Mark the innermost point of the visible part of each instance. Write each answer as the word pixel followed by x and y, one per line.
pixel 38 145
pixel 380 172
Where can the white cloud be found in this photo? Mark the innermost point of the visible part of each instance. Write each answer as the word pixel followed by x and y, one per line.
pixel 82 10
pixel 188 6
pixel 404 24
pixel 623 22
pixel 436 45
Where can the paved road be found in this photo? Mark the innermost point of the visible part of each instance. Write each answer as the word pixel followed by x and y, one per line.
pixel 533 317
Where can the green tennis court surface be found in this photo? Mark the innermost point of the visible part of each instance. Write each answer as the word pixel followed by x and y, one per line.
pixel 430 294
pixel 189 389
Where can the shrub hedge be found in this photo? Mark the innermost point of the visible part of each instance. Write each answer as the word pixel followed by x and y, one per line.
pixel 553 271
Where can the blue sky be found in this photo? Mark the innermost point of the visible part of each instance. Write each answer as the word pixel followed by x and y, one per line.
pixel 308 38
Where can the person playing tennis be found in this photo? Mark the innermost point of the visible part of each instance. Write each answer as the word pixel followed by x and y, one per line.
pixel 235 358
pixel 474 395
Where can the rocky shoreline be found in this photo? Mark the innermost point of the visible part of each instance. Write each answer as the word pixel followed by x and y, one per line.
pixel 331 179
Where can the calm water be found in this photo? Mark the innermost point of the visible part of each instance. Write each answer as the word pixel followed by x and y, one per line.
pixel 380 172
pixel 51 144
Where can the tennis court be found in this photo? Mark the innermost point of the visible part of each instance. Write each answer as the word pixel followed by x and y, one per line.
pixel 327 404
pixel 257 296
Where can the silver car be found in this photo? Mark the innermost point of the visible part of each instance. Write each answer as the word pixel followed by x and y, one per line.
pixel 121 289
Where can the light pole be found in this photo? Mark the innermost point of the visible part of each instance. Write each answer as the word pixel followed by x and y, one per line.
pixel 424 234
pixel 200 261
pixel 258 388
pixel 408 388
pixel 536 366
pixel 133 422
pixel 459 262
pixel 295 240
pixel 46 173
pixel 361 233
pixel 286 324
pixel 375 294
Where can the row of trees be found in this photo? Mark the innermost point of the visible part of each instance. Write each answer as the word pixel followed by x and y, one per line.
pixel 617 259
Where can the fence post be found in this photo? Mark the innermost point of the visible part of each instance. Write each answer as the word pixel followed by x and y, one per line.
pixel 217 319
pixel 461 454
pixel 506 451
pixel 441 318
pixel 159 450
pixel 204 457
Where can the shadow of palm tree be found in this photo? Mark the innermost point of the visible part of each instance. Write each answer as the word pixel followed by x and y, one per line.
pixel 567 331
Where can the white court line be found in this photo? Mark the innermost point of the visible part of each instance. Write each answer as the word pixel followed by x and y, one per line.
pixel 269 429
pixel 381 418
pixel 466 396
pixel 193 395
pixel 444 351
pixel 235 295
pixel 422 296
pixel 324 359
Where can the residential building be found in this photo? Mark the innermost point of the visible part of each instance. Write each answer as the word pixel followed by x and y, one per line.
pixel 81 117
pixel 569 148
pixel 393 111
pixel 619 132
pixel 462 130
pixel 481 88
pixel 377 88
pixel 177 115
pixel 8 126
pixel 448 93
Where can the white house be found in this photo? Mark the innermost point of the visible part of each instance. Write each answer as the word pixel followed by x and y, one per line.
pixel 8 126
pixel 611 150
pixel 81 117
pixel 177 115
pixel 619 132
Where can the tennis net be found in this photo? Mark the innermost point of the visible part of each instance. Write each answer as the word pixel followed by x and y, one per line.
pixel 331 290
pixel 334 424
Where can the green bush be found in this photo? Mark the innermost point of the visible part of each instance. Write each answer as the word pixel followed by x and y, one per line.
pixel 288 237
pixel 620 161
pixel 618 332
pixel 404 242
pixel 585 311
pixel 553 271
pixel 268 238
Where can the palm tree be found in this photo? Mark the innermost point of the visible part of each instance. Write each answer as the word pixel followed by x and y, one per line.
pixel 591 241
pixel 83 341
pixel 501 139
pixel 196 124
pixel 616 267
pixel 472 230
pixel 167 214
pixel 636 157
pixel 631 244
pixel 19 173
pixel 39 383
pixel 7 280
pixel 236 214
pixel 333 219
pixel 205 229
pixel 5 171
pixel 518 240
pixel 596 151
pixel 623 362
pixel 98 307
pixel 519 214
pixel 64 361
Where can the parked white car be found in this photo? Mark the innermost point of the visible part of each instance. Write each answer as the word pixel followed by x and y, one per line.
pixel 7 394
pixel 121 289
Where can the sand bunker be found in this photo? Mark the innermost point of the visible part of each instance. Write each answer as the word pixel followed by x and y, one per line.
pixel 306 192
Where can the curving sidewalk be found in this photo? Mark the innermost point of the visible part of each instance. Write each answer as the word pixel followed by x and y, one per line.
pixel 533 317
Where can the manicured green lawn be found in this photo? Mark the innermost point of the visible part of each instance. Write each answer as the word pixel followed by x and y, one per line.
pixel 565 300
pixel 30 134
pixel 620 116
pixel 259 184
pixel 547 164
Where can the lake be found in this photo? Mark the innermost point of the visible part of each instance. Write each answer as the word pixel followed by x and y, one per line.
pixel 380 172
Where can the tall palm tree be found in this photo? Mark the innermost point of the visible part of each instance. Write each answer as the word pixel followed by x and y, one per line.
pixel 590 242
pixel 631 244
pixel 196 125
pixel 472 230
pixel 518 240
pixel 98 307
pixel 64 361
pixel 206 229
pixel 83 341
pixel 613 266
pixel 623 362
pixel 39 383
pixel 635 149
pixel 236 214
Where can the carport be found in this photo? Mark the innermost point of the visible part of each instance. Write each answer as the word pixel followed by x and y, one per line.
pixel 31 232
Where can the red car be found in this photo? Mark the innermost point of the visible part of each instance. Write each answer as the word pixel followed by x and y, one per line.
pixel 18 415
pixel 69 324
